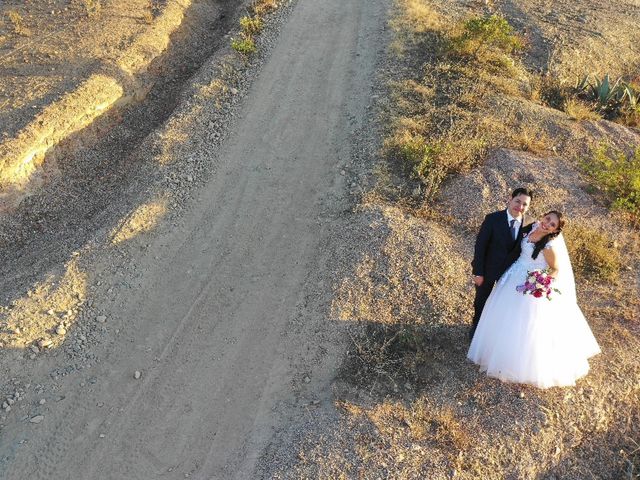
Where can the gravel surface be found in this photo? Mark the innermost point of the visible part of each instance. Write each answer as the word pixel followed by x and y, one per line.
pixel 179 258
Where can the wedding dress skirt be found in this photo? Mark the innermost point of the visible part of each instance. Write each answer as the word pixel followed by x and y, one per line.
pixel 523 339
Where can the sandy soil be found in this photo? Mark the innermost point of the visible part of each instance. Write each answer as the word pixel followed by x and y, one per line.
pixel 210 309
pixel 177 297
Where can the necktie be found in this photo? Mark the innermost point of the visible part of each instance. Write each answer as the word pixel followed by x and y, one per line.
pixel 514 230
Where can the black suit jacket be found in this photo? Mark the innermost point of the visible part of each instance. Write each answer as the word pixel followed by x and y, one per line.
pixel 494 247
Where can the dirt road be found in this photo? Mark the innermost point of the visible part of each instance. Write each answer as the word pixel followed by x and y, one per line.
pixel 210 324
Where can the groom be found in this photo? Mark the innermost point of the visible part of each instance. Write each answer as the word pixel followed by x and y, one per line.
pixel 498 234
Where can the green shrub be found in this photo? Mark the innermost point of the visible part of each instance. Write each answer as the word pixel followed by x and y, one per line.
pixel 617 175
pixel 245 45
pixel 493 32
pixel 251 25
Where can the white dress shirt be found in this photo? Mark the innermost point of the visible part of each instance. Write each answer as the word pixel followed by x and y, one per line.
pixel 516 224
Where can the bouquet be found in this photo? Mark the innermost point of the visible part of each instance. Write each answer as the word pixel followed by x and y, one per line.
pixel 538 284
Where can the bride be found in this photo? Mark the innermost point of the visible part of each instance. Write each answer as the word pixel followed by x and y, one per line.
pixel 524 339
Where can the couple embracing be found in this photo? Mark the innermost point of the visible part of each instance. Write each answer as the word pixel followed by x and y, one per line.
pixel 527 325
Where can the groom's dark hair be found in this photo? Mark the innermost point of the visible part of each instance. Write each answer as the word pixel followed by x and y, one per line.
pixel 522 191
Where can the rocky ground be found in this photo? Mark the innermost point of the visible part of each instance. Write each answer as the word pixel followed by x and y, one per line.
pixel 232 281
pixel 407 404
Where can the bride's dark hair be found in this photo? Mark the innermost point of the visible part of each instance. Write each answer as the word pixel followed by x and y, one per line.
pixel 539 245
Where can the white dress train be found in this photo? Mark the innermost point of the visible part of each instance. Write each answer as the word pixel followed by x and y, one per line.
pixel 523 339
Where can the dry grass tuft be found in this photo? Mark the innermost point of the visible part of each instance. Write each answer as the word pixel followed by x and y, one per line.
pixel 578 110
pixel 17 22
pixel 263 7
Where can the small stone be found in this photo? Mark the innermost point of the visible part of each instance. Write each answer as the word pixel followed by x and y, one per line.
pixel 136 374
pixel 101 318
pixel 306 379
pixel 521 394
pixel 102 435
pixel 42 401
pixel 34 349
pixel 37 419
pixel 32 356
pixel 10 401
pixel 60 330
pixel 5 405
pixel 51 312
pixel 45 343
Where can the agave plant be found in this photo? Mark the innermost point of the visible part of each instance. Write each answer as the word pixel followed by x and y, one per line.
pixel 582 84
pixel 609 96
pixel 605 93
pixel 631 95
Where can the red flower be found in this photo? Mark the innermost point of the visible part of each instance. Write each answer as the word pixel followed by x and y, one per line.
pixel 537 294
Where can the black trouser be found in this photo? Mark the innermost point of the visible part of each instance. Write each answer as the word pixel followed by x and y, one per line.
pixel 482 293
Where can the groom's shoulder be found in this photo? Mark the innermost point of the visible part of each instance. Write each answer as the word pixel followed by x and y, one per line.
pixel 495 215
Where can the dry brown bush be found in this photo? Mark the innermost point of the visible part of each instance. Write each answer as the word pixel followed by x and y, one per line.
pixel 578 110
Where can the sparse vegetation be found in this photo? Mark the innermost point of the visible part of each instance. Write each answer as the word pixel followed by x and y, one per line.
pixel 489 33
pixel 593 254
pixel 611 98
pixel 262 7
pixel 422 159
pixel 579 110
pixel 447 121
pixel 594 98
pixel 251 25
pixel 413 390
pixel 617 176
pixel 244 45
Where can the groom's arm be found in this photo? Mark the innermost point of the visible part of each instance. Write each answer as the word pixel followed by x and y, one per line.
pixel 482 243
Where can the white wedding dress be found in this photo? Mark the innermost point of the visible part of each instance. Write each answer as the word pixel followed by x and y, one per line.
pixel 523 339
